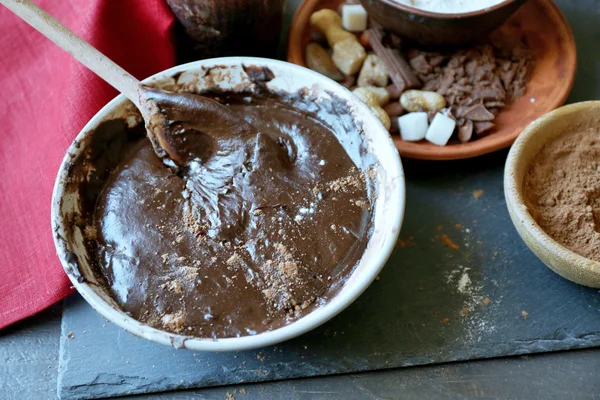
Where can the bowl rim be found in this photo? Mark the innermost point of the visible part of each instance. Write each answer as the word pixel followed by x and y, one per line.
pixel 515 200
pixel 445 16
pixel 342 299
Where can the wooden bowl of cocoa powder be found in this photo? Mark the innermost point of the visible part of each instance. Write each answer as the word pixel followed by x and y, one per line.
pixel 552 190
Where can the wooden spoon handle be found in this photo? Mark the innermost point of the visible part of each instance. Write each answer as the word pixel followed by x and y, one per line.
pixel 104 67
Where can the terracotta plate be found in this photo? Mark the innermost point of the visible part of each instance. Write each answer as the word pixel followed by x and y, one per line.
pixel 548 34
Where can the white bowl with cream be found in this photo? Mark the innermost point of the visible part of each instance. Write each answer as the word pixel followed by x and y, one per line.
pixel 388 207
pixel 451 6
pixel 437 22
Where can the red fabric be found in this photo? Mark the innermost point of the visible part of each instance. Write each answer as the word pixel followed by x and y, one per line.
pixel 46 97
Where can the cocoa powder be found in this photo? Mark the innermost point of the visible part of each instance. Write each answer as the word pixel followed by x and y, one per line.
pixel 562 190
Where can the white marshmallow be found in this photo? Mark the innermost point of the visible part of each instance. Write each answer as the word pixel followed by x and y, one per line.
pixel 413 126
pixel 440 130
pixel 354 18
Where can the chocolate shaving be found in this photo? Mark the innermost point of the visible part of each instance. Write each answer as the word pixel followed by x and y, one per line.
pixel 400 72
pixel 258 74
pixel 349 81
pixel 494 104
pixel 465 132
pixel 394 91
pixel 483 127
pixel 478 112
pixel 431 115
pixel 477 82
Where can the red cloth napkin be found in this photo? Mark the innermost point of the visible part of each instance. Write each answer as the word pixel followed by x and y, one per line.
pixel 46 97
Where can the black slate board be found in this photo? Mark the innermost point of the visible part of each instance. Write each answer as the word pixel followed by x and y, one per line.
pixel 551 376
pixel 428 306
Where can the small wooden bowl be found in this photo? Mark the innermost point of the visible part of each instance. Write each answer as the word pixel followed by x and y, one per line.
pixel 548 35
pixel 431 28
pixel 558 258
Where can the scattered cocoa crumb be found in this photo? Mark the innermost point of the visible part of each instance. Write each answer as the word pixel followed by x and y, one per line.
pixel 235 258
pixel 465 311
pixel 191 274
pixel 353 181
pixel 192 225
pixel 377 278
pixel 409 241
pixel 372 172
pixel 477 193
pixel 279 276
pixel 363 204
pixel 446 320
pixel 90 232
pixel 175 286
pixel 458 226
pixel 288 269
pixel 448 242
pixel 486 301
pixel 173 322
pixel 70 335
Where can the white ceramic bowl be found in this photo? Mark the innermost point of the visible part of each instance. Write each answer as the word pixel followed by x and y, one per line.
pixel 228 73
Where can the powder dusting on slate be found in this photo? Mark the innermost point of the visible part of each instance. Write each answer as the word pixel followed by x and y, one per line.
pixel 474 313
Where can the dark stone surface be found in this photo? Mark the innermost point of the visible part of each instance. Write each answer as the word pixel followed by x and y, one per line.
pixel 428 306
pixel 29 357
pixel 556 376
pixel 29 362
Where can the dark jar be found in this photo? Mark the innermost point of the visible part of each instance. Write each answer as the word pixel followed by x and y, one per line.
pixel 230 27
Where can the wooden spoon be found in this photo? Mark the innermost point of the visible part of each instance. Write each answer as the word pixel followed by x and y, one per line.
pixel 172 139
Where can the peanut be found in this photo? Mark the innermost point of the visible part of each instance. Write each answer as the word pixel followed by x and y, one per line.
pixel 382 95
pixel 330 23
pixel 367 97
pixel 348 55
pixel 318 59
pixel 419 100
pixel 373 72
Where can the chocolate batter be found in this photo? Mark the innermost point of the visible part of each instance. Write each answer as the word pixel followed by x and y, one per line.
pixel 256 230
